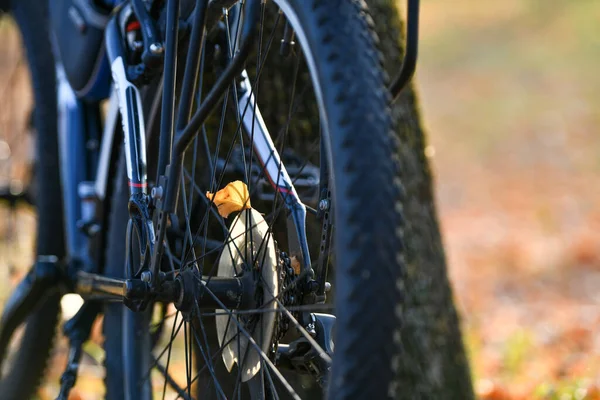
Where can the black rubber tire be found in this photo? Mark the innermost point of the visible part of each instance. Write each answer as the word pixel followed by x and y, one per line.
pixel 367 196
pixel 113 312
pixel 24 376
pixel 338 36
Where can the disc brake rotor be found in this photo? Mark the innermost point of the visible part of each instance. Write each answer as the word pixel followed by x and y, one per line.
pixel 251 249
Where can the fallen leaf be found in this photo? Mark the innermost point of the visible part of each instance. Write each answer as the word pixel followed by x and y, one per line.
pixel 233 197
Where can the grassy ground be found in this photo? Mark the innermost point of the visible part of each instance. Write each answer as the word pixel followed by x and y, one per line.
pixel 509 94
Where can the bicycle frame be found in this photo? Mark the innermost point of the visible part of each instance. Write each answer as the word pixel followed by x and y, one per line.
pixel 173 142
pixel 86 166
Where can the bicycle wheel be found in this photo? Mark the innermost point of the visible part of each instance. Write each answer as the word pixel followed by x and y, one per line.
pixel 24 359
pixel 324 103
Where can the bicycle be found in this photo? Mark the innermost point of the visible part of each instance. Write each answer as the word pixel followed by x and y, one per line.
pixel 186 253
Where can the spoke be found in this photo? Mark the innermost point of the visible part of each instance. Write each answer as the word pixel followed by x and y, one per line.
pixel 211 168
pixel 238 380
pixel 196 141
pixel 231 50
pixel 314 146
pixel 309 338
pixel 172 259
pixel 191 202
pixel 164 350
pixel 230 241
pixel 275 213
pixel 301 276
pixel 311 307
pixel 199 101
pixel 190 358
pixel 205 220
pixel 285 133
pixel 169 379
pixel 187 353
pixel 273 389
pixel 213 187
pixel 302 330
pixel 213 357
pixel 188 231
pixel 207 362
pixel 293 94
pixel 166 317
pixel 207 359
pixel 205 200
pixel 256 91
pixel 261 353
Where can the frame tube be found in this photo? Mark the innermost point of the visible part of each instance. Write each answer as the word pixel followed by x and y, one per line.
pixel 169 85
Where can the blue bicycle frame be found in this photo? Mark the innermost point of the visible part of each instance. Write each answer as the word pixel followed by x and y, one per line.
pixel 86 164
pixel 86 150
pixel 88 147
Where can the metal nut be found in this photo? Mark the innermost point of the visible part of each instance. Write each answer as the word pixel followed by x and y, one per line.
pixel 324 205
pixel 157 192
pixel 156 48
pixel 146 276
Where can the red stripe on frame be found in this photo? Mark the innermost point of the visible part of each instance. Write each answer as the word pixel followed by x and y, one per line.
pixel 138 185
pixel 132 26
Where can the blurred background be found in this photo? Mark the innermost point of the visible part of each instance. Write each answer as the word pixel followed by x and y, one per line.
pixel 510 99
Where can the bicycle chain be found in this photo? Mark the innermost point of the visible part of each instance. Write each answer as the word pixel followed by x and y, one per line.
pixel 290 297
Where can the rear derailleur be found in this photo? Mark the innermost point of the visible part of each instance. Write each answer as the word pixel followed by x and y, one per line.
pixel 302 357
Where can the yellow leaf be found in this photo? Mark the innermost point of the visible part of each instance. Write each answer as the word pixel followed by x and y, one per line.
pixel 233 197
